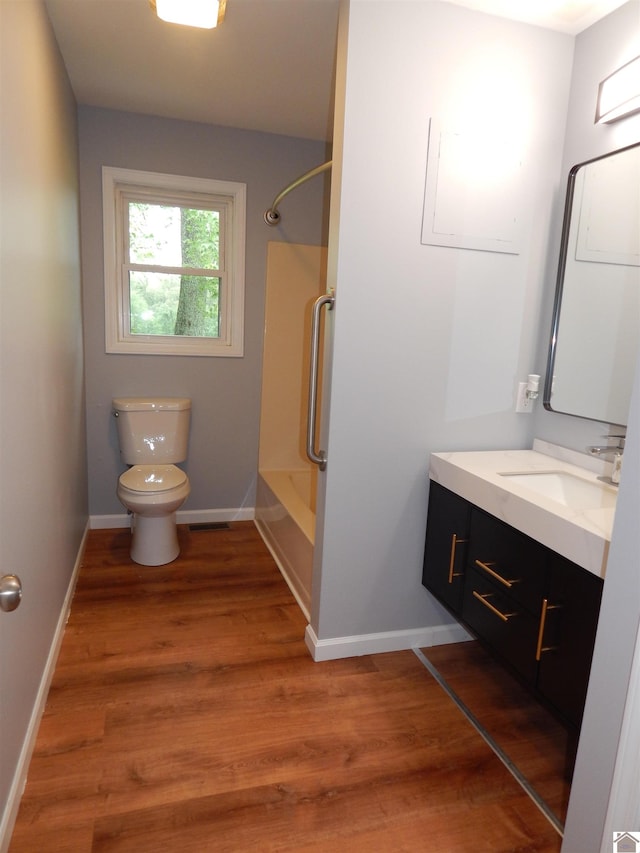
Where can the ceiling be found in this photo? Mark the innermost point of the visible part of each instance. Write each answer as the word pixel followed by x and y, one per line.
pixel 268 67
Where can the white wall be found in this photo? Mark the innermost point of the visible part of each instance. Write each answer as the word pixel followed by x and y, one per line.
pixel 223 451
pixel 43 497
pixel 429 342
pixel 600 50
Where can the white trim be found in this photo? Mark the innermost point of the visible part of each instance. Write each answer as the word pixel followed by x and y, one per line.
pixel 387 641
pixel 193 516
pixel 20 776
pixel 109 522
pixel 117 336
pixel 204 516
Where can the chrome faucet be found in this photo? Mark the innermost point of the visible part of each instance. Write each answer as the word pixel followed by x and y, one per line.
pixel 604 451
pixel 616 451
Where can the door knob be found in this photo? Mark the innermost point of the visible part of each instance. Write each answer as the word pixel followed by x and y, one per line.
pixel 10 592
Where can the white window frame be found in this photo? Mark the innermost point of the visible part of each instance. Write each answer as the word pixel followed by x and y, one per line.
pixel 227 196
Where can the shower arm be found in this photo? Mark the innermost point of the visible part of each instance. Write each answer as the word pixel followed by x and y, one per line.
pixel 271 216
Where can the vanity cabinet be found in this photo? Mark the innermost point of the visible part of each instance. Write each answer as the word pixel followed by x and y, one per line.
pixel 446 546
pixel 532 608
pixel 568 635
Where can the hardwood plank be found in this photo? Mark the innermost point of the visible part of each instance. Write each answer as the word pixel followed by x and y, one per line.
pixel 540 746
pixel 186 714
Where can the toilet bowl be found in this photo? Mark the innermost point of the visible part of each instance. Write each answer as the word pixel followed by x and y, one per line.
pixel 153 493
pixel 153 434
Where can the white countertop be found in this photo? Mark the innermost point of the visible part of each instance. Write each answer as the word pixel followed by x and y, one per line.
pixel 581 536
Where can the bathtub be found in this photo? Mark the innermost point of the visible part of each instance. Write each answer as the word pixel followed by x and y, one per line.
pixel 286 520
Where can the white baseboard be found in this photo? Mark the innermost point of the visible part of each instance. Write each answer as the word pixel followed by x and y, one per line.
pixel 208 516
pixel 20 777
pixel 108 522
pixel 387 641
pixel 193 516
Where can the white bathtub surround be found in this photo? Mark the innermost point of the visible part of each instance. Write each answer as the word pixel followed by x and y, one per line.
pixel 286 486
pixel 286 521
pixel 582 535
pixel 294 490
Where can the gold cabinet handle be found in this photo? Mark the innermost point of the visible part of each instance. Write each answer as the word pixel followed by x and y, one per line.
pixel 543 618
pixel 452 559
pixel 487 568
pixel 483 598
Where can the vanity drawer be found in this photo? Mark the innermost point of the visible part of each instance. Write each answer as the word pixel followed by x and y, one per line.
pixel 515 563
pixel 504 624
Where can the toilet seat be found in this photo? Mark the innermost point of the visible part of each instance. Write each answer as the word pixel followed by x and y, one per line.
pixel 153 478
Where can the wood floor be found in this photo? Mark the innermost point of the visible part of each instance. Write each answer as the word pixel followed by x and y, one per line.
pixel 542 749
pixel 186 715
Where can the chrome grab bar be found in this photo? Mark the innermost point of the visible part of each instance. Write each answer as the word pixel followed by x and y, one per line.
pixel 319 458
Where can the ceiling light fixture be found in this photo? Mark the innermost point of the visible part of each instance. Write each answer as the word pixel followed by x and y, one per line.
pixel 206 14
pixel 619 93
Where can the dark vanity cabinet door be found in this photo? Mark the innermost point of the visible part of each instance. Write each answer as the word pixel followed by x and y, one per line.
pixel 445 548
pixel 568 624
pixel 503 590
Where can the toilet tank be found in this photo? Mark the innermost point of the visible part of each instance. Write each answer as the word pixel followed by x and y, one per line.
pixel 152 429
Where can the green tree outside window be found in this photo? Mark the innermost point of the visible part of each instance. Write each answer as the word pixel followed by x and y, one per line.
pixel 173 289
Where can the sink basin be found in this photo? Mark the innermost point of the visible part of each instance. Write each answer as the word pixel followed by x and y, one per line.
pixel 565 488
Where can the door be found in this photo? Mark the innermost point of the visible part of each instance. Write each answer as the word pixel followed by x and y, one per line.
pixel 43 487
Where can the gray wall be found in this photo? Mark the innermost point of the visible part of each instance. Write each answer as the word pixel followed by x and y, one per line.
pixel 223 449
pixel 43 496
pixel 599 51
pixel 429 342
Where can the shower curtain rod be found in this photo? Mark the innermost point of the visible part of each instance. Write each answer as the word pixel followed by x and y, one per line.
pixel 271 216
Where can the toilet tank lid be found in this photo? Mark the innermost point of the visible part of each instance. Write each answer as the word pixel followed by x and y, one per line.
pixel 150 404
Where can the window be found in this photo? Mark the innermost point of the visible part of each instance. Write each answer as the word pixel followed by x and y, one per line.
pixel 173 263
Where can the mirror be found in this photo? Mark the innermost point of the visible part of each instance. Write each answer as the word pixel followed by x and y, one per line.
pixel 596 315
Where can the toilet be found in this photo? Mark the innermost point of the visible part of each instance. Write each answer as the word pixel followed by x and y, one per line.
pixel 153 433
